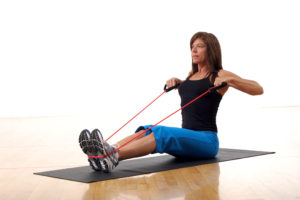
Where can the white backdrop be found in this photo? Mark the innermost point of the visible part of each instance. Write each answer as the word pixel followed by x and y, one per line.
pixel 64 57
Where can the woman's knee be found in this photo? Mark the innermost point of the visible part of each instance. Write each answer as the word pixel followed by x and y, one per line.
pixel 140 134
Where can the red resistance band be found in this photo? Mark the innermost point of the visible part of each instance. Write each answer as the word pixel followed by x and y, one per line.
pixel 165 90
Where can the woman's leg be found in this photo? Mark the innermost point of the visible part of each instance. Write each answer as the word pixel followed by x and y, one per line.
pixel 139 147
pixel 130 137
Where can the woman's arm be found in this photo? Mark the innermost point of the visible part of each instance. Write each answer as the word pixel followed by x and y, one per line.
pixel 248 86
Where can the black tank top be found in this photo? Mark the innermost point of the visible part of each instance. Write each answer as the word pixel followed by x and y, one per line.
pixel 201 114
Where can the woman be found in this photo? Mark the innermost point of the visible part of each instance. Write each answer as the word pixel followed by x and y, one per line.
pixel 198 136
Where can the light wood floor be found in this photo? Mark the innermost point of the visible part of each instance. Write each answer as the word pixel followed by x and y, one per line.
pixel 31 145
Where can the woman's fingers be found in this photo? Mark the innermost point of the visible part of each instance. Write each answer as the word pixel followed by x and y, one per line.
pixel 171 82
pixel 218 82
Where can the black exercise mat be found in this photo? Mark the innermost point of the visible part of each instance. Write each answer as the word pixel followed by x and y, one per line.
pixel 146 165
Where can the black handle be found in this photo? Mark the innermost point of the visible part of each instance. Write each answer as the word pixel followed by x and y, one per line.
pixel 213 89
pixel 171 88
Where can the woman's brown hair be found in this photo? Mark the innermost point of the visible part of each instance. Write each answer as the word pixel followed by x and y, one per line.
pixel 213 54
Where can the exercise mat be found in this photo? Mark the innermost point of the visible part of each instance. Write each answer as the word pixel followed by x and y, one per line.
pixel 146 165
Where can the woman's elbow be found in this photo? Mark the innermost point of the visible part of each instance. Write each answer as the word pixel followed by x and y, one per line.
pixel 258 91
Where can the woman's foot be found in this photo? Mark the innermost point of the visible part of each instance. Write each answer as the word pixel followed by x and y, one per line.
pixel 102 147
pixel 88 148
pixel 93 144
pixel 84 140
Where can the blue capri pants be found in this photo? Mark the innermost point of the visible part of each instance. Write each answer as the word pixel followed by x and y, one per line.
pixel 181 142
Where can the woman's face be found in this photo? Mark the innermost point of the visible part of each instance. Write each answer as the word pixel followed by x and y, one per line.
pixel 198 51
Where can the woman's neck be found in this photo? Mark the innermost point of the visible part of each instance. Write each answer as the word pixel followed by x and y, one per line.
pixel 202 69
pixel 202 73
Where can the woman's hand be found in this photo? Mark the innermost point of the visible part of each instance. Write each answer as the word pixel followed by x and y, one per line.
pixel 172 82
pixel 220 79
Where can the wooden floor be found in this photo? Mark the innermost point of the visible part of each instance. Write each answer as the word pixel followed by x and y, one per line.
pixel 31 145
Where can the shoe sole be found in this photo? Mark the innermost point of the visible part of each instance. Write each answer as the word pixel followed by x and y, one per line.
pixel 84 141
pixel 97 143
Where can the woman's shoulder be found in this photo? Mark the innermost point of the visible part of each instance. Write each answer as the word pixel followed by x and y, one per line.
pixel 223 72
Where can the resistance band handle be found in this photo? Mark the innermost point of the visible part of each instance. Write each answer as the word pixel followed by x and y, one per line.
pixel 213 89
pixel 171 88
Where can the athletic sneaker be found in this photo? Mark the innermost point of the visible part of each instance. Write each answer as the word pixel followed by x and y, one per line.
pixel 84 140
pixel 87 147
pixel 101 147
pixel 110 162
pixel 97 143
pixel 95 164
